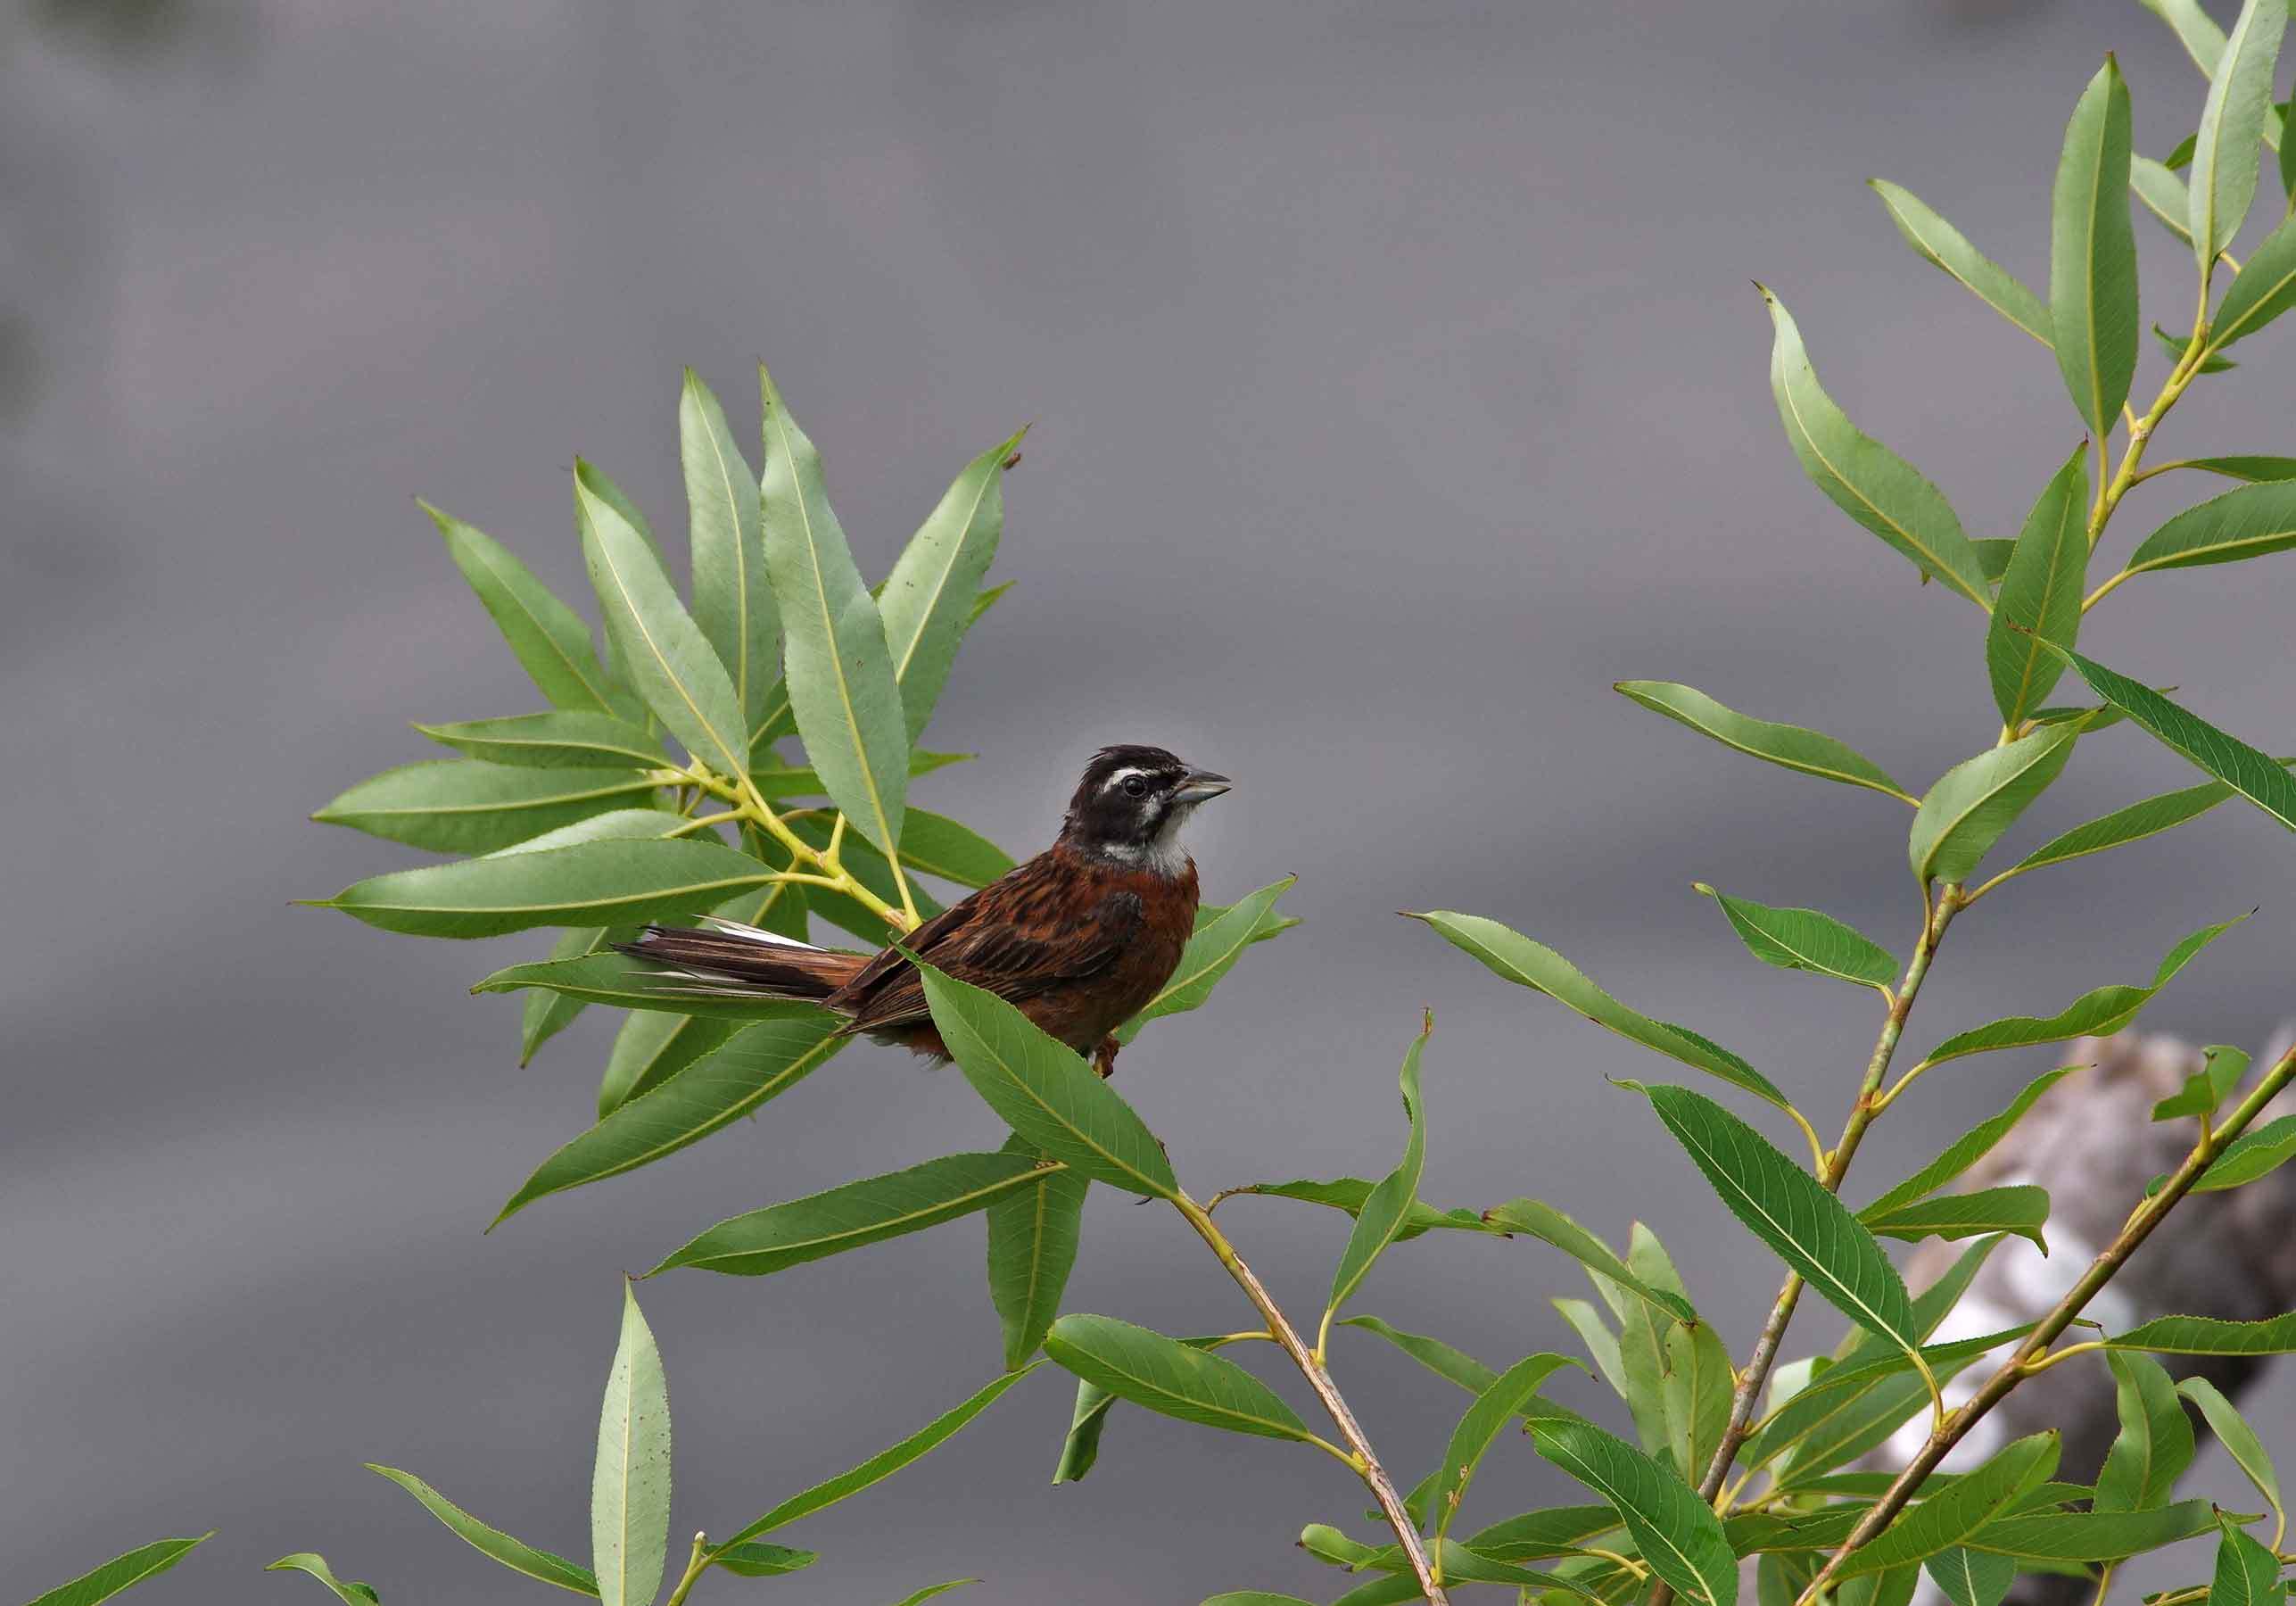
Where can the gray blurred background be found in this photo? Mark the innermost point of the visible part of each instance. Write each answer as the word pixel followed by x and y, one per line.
pixel 1396 387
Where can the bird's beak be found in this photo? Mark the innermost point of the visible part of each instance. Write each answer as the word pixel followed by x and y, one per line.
pixel 1200 786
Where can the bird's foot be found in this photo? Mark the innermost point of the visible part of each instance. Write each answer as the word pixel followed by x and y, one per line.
pixel 1103 1058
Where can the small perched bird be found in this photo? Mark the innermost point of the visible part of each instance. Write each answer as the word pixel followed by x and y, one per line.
pixel 1080 938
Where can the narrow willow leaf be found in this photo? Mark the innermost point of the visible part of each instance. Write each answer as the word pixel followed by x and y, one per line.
pixel 1254 1597
pixel 796 780
pixel 1044 1090
pixel 628 983
pixel 565 739
pixel 1349 1193
pixel 2021 1209
pixel 2285 112
pixel 1633 1361
pixel 551 641
pixel 309 1561
pixel 2155 1443
pixel 1325 1542
pixel 929 598
pixel 1538 1535
pixel 1211 953
pixel 1515 956
pixel 650 1048
pixel 756 1063
pixel 2123 825
pixel 1452 1365
pixel 548 1013
pixel 839 672
pixel 1492 1409
pixel 1784 1206
pixel 918 1597
pixel 2247 1573
pixel 493 1543
pixel 1169 1377
pixel 1389 1204
pixel 1676 1531
pixel 1961 1509
pixel 2232 122
pixel 956 852
pixel 2094 1536
pixel 2250 522
pixel 2174 346
pixel 880 1466
pixel 2098 1013
pixel 2253 1155
pixel 2222 1067
pixel 672 664
pixel 641 825
pixel 1964 1151
pixel 588 476
pixel 461 806
pixel 630 1489
pixel 854 1214
pixel 1792 747
pixel 1940 244
pixel 2238 1438
pixel 1081 1448
pixel 1032 1245
pixel 2195 30
pixel 1696 1380
pixel 1862 476
pixel 2252 468
pixel 2164 195
pixel 1850 1408
pixel 2207 1336
pixel 1806 939
pixel 1994 553
pixel 1965 812
pixel 2040 595
pixel 733 600
pixel 593 883
pixel 1551 1226
pixel 2093 254
pixel 758 1560
pixel 2265 289
pixel 2246 770
pixel 1971 1577
pixel 144 1561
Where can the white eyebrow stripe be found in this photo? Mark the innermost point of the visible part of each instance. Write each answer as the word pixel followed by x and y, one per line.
pixel 1120 776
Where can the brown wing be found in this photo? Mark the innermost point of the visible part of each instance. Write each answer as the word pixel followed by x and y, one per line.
pixel 1048 923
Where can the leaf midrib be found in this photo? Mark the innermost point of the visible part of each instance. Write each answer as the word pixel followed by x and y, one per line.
pixel 573 665
pixel 740 562
pixel 1004 1066
pixel 737 764
pixel 983 1193
pixel 955 550
pixel 605 903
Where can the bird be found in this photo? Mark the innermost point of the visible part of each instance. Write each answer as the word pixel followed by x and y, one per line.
pixel 1079 939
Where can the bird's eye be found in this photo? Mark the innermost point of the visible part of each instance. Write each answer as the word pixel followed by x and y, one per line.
pixel 1134 787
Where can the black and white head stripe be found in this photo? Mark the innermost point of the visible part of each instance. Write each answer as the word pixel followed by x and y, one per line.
pixel 1131 801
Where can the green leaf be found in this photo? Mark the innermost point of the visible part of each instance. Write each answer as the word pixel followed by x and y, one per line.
pixel 1538 1535
pixel 1965 812
pixel 1450 1364
pixel 2253 1155
pixel 548 1013
pixel 1994 553
pixel 1492 1409
pixel 2232 122
pixel 756 1063
pixel 630 1490
pixel 929 598
pixel 2246 770
pixel 757 1560
pixel 779 780
pixel 917 1597
pixel 308 1561
pixel 2093 254
pixel 1211 953
pixel 1862 476
pixel 2098 1013
pixel 1389 1204
pixel 2133 823
pixel 2207 1336
pixel 1693 1376
pixel 671 663
pixel 1166 1375
pixel 549 639
pixel 2164 194
pixel 1044 1090
pixel 1551 1226
pixel 1811 752
pixel 628 983
pixel 854 1214
pixel 1961 1509
pixel 839 672
pixel 940 845
pixel 880 1466
pixel 1964 1151
pixel 1676 1531
pixel 592 883
pixel 2252 468
pixel 1784 1206
pixel 1971 1577
pixel 461 806
pixel 866 866
pixel 2248 1574
pixel 564 738
pixel 2222 1066
pixel 2040 595
pixel 1081 1448
pixel 2247 523
pixel 493 1543
pixel 2233 1433
pixel 2174 345
pixel 2199 35
pixel 1850 1408
pixel 2155 1442
pixel 1032 1245
pixel 1806 939
pixel 2093 1535
pixel 650 1048
pixel 2021 1209
pixel 1940 244
pixel 1515 956
pixel 144 1561
pixel 2265 289
pixel 1349 1193
pixel 733 600
pixel 1327 1544
pixel 1254 1597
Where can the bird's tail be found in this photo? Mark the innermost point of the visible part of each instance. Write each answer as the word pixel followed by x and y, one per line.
pixel 732 959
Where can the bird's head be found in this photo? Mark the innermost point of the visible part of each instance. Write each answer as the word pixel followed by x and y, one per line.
pixel 1132 802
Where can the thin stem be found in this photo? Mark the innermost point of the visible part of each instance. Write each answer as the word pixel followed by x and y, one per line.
pixel 2034 1368
pixel 2015 1369
pixel 1364 1461
pixel 706 820
pixel 695 1565
pixel 2106 590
